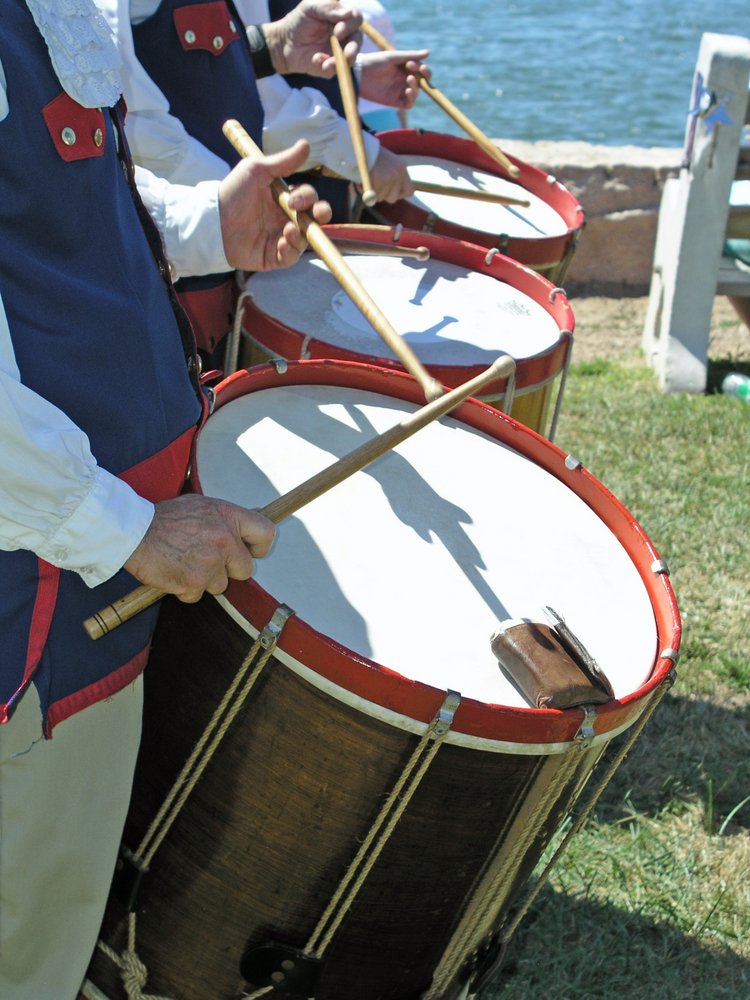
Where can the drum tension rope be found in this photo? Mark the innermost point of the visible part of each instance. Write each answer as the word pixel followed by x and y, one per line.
pixel 133 971
pixel 376 838
pixel 454 956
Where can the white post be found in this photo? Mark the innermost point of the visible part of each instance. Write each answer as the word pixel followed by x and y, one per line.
pixel 693 219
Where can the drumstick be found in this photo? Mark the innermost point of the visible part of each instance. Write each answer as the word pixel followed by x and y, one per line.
pixel 448 189
pixel 344 74
pixel 365 249
pixel 338 267
pixel 450 109
pixel 457 192
pixel 143 597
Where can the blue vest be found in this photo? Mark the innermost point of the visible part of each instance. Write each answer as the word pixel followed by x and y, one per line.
pixel 335 192
pixel 97 331
pixel 205 84
pixel 199 57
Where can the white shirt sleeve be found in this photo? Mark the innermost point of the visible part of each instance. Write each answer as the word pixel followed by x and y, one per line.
pixel 54 499
pixel 291 114
pixel 189 222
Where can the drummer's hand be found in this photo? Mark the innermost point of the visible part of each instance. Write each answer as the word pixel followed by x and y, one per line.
pixel 196 544
pixel 257 234
pixel 301 41
pixel 389 177
pixel 389 77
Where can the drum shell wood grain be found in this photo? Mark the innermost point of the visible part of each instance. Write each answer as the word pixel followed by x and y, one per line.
pixel 271 827
pixel 536 376
pixel 543 254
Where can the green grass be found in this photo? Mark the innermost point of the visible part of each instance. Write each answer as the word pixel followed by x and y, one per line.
pixel 652 900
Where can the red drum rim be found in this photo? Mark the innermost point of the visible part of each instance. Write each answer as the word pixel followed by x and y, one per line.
pixel 544 250
pixel 376 683
pixel 531 372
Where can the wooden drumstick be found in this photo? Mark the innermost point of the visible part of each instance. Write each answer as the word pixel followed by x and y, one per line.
pixel 471 195
pixel 449 107
pixel 365 249
pixel 338 267
pixel 448 189
pixel 349 97
pixel 143 597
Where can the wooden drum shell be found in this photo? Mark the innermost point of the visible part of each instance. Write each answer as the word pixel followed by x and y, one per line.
pixel 535 376
pixel 544 254
pixel 269 830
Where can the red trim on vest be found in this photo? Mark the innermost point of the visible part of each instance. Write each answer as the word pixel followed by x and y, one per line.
pixel 123 106
pixel 105 688
pixel 162 476
pixel 206 26
pixel 41 619
pixel 81 127
pixel 210 310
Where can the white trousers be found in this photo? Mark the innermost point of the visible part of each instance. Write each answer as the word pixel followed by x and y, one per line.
pixel 62 808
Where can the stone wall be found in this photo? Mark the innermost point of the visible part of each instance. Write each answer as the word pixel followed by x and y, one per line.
pixel 619 188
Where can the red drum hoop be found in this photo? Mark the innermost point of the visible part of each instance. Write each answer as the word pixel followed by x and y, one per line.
pixel 375 682
pixel 534 374
pixel 541 252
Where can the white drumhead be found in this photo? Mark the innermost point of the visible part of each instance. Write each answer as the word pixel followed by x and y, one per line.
pixel 450 315
pixel 537 221
pixel 414 561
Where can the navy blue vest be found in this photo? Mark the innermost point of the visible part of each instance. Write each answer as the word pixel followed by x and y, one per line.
pixel 204 85
pixel 97 331
pixel 335 192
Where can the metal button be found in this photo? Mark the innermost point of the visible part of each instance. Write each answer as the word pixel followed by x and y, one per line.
pixel 98 137
pixel 278 977
pixel 218 42
pixel 68 136
pixel 232 27
pixel 189 37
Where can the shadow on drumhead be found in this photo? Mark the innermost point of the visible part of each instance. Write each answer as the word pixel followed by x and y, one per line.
pixel 411 498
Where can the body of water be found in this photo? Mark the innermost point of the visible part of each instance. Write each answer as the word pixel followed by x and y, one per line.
pixel 598 70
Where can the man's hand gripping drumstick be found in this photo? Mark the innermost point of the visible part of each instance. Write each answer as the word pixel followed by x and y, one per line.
pixel 449 107
pixel 223 539
pixel 337 266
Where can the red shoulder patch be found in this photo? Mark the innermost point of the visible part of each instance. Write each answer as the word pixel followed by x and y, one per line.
pixel 206 26
pixel 78 133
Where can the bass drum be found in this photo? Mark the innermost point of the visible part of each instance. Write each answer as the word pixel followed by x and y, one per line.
pixel 543 236
pixel 362 828
pixel 458 311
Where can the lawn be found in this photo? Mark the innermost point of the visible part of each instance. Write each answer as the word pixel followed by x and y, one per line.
pixel 653 899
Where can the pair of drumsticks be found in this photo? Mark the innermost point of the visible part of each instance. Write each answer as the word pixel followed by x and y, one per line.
pixel 349 98
pixel 438 404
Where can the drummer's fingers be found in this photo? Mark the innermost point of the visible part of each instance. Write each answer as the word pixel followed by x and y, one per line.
pixel 289 246
pixel 256 531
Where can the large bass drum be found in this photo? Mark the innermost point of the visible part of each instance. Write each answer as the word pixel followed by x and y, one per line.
pixel 383 792
pixel 544 235
pixel 457 311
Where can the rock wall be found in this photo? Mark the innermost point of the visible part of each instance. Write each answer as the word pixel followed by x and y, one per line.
pixel 619 188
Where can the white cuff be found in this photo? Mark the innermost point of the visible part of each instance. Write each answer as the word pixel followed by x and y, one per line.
pixel 340 152
pixel 189 222
pixel 102 533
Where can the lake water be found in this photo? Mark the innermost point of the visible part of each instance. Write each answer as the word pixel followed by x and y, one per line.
pixel 604 71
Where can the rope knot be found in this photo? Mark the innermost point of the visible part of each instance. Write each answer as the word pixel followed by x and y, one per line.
pixel 134 974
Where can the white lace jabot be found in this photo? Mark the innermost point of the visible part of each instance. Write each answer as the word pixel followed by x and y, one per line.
pixel 81 48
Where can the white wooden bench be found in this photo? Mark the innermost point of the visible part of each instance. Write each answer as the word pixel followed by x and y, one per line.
pixel 694 219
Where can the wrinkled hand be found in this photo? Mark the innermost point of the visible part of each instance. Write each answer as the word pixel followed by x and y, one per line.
pixel 196 544
pixel 389 177
pixel 301 41
pixel 390 77
pixel 257 234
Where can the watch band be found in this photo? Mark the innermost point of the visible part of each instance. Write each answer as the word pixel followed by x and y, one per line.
pixel 262 64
